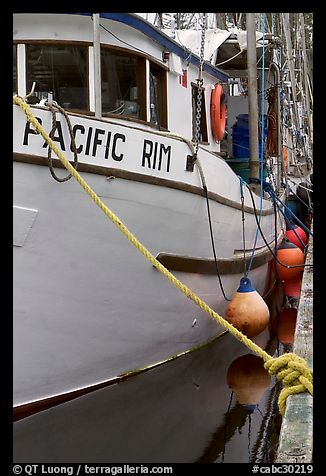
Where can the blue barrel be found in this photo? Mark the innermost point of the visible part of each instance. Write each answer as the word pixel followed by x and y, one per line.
pixel 240 137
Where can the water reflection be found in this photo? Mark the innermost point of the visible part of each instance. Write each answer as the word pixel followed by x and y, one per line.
pixel 248 379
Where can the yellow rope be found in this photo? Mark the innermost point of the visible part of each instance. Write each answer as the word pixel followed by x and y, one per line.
pixel 290 368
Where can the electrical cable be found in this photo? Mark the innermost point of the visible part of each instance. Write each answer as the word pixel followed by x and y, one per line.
pixel 266 242
pixel 213 244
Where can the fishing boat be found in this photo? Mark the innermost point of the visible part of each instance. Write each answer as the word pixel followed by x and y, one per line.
pixel 144 122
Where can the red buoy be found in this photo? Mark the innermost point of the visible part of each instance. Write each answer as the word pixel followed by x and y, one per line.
pixel 292 288
pixel 248 378
pixel 297 236
pixel 247 311
pixel 289 255
pixel 287 319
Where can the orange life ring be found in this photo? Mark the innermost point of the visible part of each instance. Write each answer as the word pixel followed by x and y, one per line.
pixel 218 112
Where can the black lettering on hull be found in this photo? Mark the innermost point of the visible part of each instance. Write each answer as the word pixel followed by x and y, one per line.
pixel 114 145
pixel 147 152
pixel 81 128
pixel 29 130
pixel 58 137
pixel 150 154
pixel 97 141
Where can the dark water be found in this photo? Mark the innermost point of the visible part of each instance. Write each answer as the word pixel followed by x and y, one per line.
pixel 180 412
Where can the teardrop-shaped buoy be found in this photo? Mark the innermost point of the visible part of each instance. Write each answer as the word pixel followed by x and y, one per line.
pixel 297 236
pixel 248 378
pixel 247 311
pixel 287 319
pixel 289 255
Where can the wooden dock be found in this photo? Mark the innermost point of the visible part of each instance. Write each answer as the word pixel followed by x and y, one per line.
pixel 296 437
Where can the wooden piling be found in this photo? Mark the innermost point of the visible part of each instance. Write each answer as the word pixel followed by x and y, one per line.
pixel 296 436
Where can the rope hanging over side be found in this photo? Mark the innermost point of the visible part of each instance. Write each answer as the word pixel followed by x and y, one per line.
pixel 290 368
pixel 54 107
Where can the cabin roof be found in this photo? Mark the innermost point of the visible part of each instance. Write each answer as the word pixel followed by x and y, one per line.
pixel 161 38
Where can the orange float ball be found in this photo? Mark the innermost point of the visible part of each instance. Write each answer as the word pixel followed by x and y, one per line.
pixel 289 255
pixel 297 236
pixel 287 319
pixel 247 311
pixel 248 378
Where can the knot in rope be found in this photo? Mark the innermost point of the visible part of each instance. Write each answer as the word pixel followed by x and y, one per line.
pixel 295 374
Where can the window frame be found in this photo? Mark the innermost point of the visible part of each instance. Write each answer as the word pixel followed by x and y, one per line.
pixel 144 73
pixel 162 97
pixel 64 43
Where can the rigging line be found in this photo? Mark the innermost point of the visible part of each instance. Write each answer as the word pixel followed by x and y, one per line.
pixel 232 57
pixel 299 185
pixel 300 199
pixel 243 226
pixel 122 41
pixel 302 225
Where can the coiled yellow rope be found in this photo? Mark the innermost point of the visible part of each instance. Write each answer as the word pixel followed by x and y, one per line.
pixel 290 368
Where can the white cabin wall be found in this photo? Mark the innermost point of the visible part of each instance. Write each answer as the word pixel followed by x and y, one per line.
pixel 180 105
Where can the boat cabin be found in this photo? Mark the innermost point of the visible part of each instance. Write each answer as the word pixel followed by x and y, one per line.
pixel 146 77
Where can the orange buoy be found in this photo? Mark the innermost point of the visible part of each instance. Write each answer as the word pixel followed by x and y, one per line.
pixel 218 112
pixel 286 325
pixel 297 236
pixel 292 287
pixel 248 378
pixel 247 311
pixel 289 255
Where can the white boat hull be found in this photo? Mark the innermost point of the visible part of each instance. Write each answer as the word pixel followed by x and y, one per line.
pixel 87 304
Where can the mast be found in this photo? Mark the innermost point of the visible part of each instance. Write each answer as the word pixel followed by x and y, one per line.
pixel 252 95
pixel 305 75
pixel 286 27
pixel 97 65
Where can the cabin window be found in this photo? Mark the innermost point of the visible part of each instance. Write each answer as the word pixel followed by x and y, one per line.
pixel 157 87
pixel 203 135
pixel 14 63
pixel 122 84
pixel 61 70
